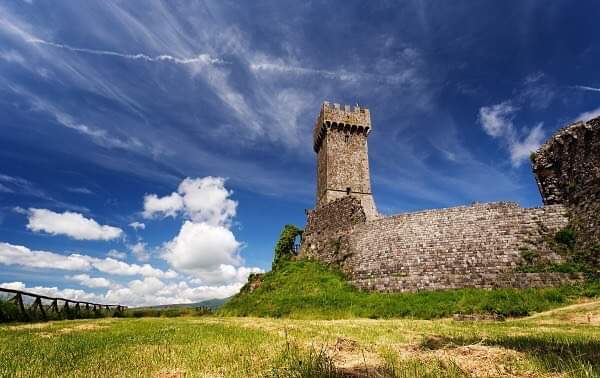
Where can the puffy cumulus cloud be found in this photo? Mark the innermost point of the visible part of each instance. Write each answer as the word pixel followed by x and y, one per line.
pixel 205 247
pixel 200 199
pixel 117 254
pixel 167 206
pixel 201 247
pixel 152 291
pixel 225 273
pixel 207 200
pixel 93 282
pixel 497 122
pixel 70 224
pixel 112 266
pixel 23 256
pixel 145 292
pixel 139 251
pixel 137 225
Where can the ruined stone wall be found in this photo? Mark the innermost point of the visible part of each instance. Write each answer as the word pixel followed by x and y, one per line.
pixel 327 230
pixel 567 169
pixel 474 246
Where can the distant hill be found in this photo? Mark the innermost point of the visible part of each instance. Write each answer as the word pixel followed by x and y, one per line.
pixel 309 290
pixel 210 303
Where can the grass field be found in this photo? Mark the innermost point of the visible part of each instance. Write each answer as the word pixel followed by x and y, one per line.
pixel 562 342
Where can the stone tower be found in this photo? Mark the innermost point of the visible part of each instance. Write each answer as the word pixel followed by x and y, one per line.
pixel 340 141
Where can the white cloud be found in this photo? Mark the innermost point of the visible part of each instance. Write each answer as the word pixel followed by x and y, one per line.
pixel 201 247
pixel 497 122
pixel 71 224
pixel 586 88
pixel 12 56
pixel 75 294
pixel 139 251
pixel 112 266
pixel 20 255
pixel 23 256
pixel 137 225
pixel 497 119
pixel 149 291
pixel 585 116
pixel 521 150
pixel 80 190
pixel 93 282
pixel 205 247
pixel 117 254
pixel 168 206
pixel 207 200
pixel 198 59
pixel 201 200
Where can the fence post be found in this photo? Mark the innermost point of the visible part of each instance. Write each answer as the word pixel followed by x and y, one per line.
pixel 38 303
pixel 54 306
pixel 18 300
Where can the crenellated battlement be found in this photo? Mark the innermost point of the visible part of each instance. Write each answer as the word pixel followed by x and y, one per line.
pixel 344 118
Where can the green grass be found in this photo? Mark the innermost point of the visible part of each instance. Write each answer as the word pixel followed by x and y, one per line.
pixel 261 347
pixel 309 290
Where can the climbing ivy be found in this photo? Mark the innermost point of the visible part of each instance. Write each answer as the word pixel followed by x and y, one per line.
pixel 284 249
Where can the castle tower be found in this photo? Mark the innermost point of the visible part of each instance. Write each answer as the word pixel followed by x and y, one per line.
pixel 340 141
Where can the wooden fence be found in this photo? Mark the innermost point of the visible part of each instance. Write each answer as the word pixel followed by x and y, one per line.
pixel 69 308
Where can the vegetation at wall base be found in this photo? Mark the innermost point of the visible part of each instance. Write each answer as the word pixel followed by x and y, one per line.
pixel 309 290
pixel 284 249
pixel 576 259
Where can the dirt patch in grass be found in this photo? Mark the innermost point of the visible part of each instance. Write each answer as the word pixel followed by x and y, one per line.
pixel 83 327
pixel 581 313
pixel 354 360
pixel 30 326
pixel 475 360
pixel 171 373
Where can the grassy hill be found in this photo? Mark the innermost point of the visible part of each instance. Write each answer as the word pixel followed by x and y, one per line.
pixel 309 290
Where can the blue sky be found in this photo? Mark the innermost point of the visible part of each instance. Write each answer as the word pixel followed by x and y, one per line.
pixel 194 119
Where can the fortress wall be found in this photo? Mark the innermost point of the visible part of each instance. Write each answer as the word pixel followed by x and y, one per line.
pixel 475 246
pixel 467 246
pixel 567 169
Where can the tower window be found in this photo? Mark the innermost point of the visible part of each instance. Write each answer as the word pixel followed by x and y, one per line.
pixel 348 190
pixel 346 138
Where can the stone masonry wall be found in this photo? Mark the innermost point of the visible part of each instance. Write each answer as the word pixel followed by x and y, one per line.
pixel 326 235
pixel 474 246
pixel 567 169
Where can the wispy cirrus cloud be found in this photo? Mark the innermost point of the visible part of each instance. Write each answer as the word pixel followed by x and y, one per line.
pixel 198 59
pixel 586 88
pixel 497 122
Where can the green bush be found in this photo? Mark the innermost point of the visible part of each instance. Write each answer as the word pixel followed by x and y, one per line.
pixel 566 237
pixel 284 249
